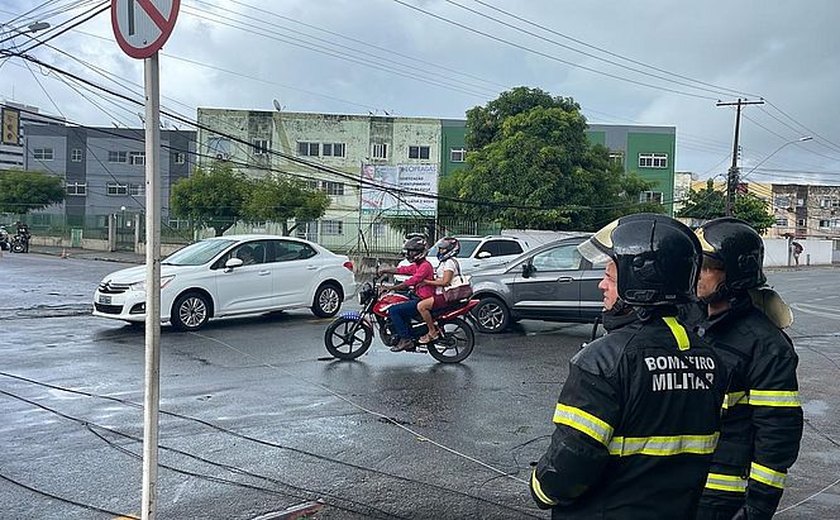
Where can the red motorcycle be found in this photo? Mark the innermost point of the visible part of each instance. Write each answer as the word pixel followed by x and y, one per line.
pixel 351 333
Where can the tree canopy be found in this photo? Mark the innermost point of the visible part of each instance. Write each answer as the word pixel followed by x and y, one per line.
pixel 25 191
pixel 211 197
pixel 279 199
pixel 532 166
pixel 708 203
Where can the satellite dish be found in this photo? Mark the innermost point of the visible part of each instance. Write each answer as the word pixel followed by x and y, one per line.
pixel 278 106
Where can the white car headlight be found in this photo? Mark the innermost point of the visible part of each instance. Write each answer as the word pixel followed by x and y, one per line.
pixel 141 285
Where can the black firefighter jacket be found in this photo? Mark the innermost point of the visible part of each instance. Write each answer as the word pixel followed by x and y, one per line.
pixel 635 426
pixel 762 423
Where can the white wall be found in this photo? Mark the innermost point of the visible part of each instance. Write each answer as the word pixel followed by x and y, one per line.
pixel 814 252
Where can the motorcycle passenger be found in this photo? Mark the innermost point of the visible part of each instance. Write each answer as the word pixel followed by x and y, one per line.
pixel 24 234
pixel 637 418
pixel 762 424
pixel 419 269
pixel 447 249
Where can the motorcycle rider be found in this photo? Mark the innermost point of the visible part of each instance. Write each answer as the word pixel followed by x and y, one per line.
pixel 637 418
pixel 419 269
pixel 24 234
pixel 762 425
pixel 447 249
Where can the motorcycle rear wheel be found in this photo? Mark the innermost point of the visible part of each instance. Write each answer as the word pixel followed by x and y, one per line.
pixel 341 344
pixel 455 342
pixel 17 247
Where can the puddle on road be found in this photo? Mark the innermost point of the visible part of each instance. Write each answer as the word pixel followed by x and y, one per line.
pixel 46 311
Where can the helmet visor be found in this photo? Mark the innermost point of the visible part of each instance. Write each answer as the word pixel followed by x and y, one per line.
pixel 598 248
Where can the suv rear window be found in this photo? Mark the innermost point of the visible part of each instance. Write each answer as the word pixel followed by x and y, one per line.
pixel 501 247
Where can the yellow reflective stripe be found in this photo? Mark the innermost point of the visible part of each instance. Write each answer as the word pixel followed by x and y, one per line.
pixel 678 331
pixel 664 446
pixel 535 485
pixel 734 398
pixel 584 422
pixel 782 398
pixel 767 476
pixel 721 482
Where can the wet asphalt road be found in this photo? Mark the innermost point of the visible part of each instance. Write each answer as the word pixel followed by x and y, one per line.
pixel 259 420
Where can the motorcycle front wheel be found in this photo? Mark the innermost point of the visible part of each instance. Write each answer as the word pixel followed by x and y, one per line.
pixel 348 338
pixel 455 342
pixel 17 247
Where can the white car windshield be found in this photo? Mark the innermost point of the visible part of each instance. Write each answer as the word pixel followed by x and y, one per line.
pixel 199 253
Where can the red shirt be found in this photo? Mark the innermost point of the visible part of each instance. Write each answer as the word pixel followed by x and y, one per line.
pixel 418 272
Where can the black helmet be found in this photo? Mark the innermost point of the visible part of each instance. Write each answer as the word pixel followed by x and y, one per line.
pixel 734 246
pixel 657 258
pixel 415 248
pixel 447 247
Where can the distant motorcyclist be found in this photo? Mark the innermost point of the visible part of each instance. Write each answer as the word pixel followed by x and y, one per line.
pixel 24 234
pixel 637 419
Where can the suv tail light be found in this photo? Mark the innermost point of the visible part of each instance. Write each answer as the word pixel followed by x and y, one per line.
pixel 349 265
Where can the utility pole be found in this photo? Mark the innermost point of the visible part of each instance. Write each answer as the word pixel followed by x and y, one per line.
pixel 732 176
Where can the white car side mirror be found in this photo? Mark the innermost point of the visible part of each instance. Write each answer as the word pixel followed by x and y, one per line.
pixel 232 263
pixel 484 254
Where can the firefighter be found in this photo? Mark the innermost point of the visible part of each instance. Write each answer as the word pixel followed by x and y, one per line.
pixel 762 425
pixel 637 419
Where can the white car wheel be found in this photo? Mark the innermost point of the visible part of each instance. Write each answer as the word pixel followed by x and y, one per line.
pixel 190 312
pixel 327 301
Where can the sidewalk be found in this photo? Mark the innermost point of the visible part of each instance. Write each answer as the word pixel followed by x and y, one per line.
pixel 127 257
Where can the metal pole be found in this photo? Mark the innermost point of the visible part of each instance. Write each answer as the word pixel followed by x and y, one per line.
pixel 151 402
pixel 732 177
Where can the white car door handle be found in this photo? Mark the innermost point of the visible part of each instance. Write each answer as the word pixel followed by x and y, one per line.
pixel 264 273
pixel 311 267
pixel 565 279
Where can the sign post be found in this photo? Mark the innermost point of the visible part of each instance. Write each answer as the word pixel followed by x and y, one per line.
pixel 141 27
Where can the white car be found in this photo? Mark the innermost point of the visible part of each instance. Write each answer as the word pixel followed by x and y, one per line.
pixel 479 252
pixel 229 276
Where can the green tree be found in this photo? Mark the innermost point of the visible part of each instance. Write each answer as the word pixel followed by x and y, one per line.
pixel 25 191
pixel 484 124
pixel 708 203
pixel 212 197
pixel 540 171
pixel 280 199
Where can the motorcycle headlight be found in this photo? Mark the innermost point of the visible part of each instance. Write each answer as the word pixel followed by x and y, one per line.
pixel 141 285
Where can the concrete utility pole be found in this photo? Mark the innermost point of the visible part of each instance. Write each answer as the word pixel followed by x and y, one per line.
pixel 732 176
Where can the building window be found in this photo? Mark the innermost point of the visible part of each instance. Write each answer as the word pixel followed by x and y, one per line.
pixel 618 158
pixel 43 154
pixel 801 222
pixel 180 157
pixel 76 155
pixel 377 229
pixel 418 152
pixel 653 160
pixel 137 158
pixel 457 155
pixel 332 227
pixel 117 157
pixel 800 203
pixel 379 151
pixel 333 188
pixel 654 197
pixel 307 149
pixel 77 188
pixel 782 222
pixel 312 185
pixel 261 146
pixel 115 189
pixel 334 149
pixel 830 223
pixel 782 202
pixel 136 190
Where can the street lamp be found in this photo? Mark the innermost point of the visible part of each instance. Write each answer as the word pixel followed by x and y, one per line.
pixel 777 150
pixel 31 28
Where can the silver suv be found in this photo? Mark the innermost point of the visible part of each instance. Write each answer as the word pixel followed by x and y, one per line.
pixel 552 283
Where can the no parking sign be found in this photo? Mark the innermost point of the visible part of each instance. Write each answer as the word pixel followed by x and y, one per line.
pixel 143 26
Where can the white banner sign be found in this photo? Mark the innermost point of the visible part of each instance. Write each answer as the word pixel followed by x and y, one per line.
pixel 387 200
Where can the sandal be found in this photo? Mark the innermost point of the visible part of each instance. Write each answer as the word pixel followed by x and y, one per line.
pixel 428 338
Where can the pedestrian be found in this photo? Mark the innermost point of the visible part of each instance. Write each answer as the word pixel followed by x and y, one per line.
pixel 637 419
pixel 796 249
pixel 419 269
pixel 762 424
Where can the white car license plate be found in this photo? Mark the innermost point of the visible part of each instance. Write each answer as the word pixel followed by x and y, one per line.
pixel 105 300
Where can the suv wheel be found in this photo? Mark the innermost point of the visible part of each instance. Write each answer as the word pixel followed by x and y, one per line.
pixel 491 315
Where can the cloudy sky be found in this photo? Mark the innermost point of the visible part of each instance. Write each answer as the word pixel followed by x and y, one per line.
pixel 639 62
